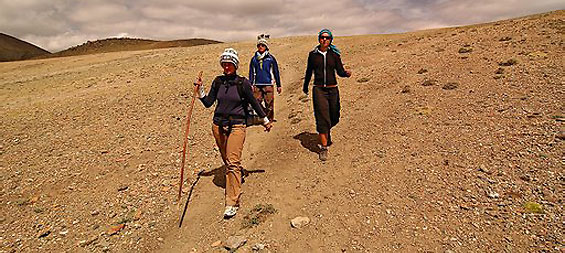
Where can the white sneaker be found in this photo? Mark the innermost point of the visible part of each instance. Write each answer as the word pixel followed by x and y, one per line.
pixel 230 211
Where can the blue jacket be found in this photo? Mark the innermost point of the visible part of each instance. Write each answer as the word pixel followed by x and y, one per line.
pixel 260 70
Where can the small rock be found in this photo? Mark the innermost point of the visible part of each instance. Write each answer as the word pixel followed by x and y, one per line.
pixel 123 188
pixel 493 194
pixel 95 212
pixel 406 89
pixel 64 232
pixel 429 83
pixel 363 80
pixel 44 233
pixel 450 86
pixel 505 38
pixel 258 247
pixel 499 71
pixel 560 135
pixel 422 71
pixel 115 229
pixel 216 244
pixel 484 169
pixel 299 222
pixel 234 242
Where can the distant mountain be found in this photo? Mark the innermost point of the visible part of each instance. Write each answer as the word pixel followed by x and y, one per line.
pixel 13 49
pixel 128 44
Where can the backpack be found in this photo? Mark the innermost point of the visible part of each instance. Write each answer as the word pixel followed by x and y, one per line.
pixel 251 117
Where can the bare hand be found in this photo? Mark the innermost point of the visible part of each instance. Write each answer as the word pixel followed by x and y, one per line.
pixel 279 90
pixel 268 127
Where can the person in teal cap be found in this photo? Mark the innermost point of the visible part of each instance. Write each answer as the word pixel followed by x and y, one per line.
pixel 325 62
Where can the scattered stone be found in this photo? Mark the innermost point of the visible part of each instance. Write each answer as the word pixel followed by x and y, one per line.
pixel 363 80
pixel 406 89
pixel 258 247
pixel 493 194
pixel 299 222
pixel 84 243
pixel 95 212
pixel 295 121
pixel 234 242
pixel 64 232
pixel 499 71
pixel 429 83
pixel 115 229
pixel 505 38
pixel 44 233
pixel 450 86
pixel 216 244
pixel 483 168
pixel 510 62
pixel 123 188
pixel 464 50
pixel 533 207
pixel 422 71
pixel 560 135
pixel 537 54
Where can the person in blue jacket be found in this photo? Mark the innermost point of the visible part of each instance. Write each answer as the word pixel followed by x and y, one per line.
pixel 263 68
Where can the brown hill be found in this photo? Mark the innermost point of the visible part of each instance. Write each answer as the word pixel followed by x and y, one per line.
pixel 13 49
pixel 128 44
pixel 451 140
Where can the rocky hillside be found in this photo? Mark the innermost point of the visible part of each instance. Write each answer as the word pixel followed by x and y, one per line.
pixel 451 140
pixel 129 44
pixel 13 49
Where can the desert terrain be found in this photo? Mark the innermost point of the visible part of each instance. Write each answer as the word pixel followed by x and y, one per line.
pixel 451 140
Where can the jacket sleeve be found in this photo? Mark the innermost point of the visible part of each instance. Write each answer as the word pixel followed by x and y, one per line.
pixel 276 72
pixel 249 97
pixel 209 99
pixel 251 71
pixel 339 66
pixel 308 75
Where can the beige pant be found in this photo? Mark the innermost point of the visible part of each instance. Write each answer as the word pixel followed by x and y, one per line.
pixel 231 147
pixel 266 93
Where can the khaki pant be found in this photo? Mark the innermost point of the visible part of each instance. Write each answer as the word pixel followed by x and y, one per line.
pixel 231 146
pixel 266 93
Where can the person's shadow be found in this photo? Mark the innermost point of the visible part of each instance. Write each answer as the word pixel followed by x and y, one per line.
pixel 308 141
pixel 220 175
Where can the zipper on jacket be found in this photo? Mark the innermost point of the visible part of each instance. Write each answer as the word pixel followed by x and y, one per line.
pixel 325 84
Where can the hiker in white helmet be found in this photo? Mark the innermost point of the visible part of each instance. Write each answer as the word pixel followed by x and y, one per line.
pixel 325 61
pixel 263 68
pixel 232 94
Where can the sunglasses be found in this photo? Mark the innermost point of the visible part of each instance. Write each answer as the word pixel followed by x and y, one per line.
pixel 325 37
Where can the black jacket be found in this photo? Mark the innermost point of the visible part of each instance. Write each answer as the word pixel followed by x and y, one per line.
pixel 324 69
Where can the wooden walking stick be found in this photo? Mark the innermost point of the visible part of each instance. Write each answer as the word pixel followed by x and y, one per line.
pixel 189 115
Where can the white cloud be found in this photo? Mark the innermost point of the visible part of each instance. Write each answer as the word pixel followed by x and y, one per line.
pixel 58 24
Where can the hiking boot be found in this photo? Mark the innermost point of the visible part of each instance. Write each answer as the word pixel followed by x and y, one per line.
pixel 230 211
pixel 324 154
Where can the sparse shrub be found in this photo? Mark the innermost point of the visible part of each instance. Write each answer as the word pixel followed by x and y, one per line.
pixel 532 207
pixel 258 214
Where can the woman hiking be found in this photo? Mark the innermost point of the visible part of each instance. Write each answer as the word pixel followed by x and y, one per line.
pixel 232 93
pixel 262 68
pixel 325 61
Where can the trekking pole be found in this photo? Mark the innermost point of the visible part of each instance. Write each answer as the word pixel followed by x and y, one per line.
pixel 189 115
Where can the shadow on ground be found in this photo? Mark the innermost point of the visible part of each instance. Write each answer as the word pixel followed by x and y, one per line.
pixel 308 141
pixel 220 175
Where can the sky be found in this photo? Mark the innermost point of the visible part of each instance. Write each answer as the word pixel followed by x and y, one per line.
pixel 59 24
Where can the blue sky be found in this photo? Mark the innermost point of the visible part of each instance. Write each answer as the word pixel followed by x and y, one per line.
pixel 58 24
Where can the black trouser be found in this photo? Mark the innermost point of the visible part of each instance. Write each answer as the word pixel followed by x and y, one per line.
pixel 326 108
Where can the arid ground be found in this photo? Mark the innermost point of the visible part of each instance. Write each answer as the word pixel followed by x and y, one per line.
pixel 451 140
